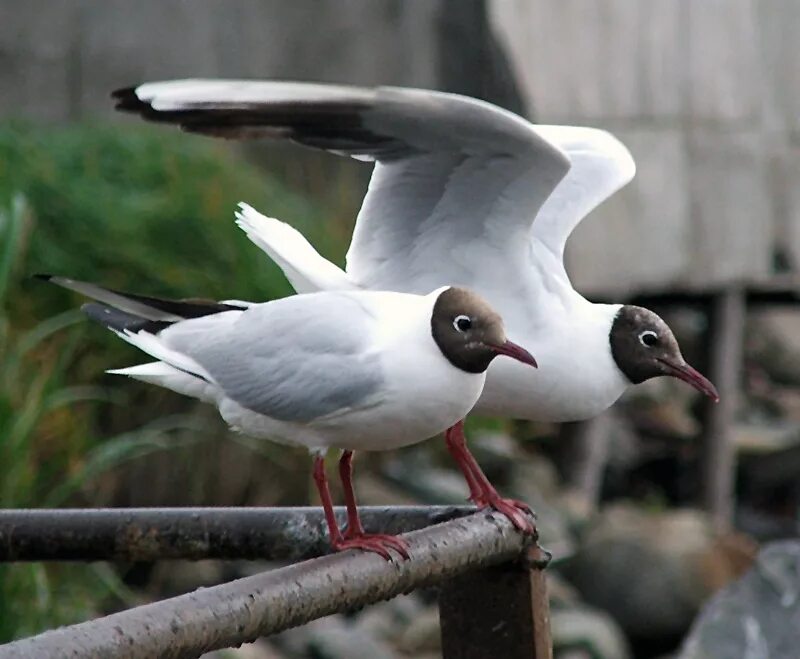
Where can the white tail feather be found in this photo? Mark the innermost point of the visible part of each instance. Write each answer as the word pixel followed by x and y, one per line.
pixel 306 270
pixel 169 377
pixel 154 347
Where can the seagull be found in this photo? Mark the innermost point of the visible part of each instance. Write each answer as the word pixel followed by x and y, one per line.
pixel 350 370
pixel 462 193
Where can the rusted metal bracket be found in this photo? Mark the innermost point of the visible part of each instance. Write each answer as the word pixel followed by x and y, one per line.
pixel 500 611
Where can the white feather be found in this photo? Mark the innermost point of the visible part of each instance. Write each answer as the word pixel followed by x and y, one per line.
pixel 600 165
pixel 154 347
pixel 303 266
pixel 183 94
pixel 169 377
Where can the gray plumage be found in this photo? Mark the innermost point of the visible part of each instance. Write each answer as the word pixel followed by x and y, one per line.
pixel 292 359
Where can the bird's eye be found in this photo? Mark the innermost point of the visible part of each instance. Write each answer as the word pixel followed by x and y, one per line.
pixel 462 323
pixel 648 338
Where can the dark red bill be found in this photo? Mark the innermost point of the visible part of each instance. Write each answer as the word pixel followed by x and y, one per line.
pixel 510 349
pixel 684 372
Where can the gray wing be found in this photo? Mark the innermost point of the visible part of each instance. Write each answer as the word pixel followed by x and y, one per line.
pixel 450 170
pixel 295 359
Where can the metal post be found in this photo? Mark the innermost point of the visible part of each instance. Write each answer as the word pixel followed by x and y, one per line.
pixel 500 611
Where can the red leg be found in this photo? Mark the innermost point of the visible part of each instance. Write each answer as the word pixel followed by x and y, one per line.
pixel 482 492
pixel 456 444
pixel 355 530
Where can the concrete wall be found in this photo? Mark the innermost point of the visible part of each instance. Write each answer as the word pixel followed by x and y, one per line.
pixel 706 94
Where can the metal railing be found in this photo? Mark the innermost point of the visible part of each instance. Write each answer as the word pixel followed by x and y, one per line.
pixel 492 594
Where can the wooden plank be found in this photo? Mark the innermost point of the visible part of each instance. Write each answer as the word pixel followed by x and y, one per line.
pixel 732 220
pixel 725 74
pixel 725 346
pixel 583 455
pixel 646 226
pixel 498 612
pixel 622 59
pixel 37 43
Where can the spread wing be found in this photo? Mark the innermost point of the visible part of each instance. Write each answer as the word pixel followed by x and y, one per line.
pixel 457 181
pixel 601 165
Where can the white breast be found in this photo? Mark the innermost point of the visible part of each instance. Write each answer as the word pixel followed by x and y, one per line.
pixel 423 393
pixel 577 377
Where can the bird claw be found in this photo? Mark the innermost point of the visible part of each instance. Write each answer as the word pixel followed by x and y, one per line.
pixel 377 543
pixel 518 512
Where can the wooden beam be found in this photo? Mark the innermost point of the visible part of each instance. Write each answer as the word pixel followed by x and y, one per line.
pixel 583 455
pixel 725 346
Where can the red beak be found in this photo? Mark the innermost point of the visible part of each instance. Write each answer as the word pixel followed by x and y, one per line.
pixel 510 349
pixel 684 372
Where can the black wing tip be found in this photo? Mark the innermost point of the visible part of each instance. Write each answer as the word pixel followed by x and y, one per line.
pixel 121 321
pixel 41 276
pixel 127 100
pixel 101 313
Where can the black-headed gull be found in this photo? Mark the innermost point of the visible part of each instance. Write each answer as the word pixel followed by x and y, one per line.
pixel 354 370
pixel 463 193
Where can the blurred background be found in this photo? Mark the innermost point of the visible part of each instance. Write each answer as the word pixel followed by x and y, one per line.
pixel 651 511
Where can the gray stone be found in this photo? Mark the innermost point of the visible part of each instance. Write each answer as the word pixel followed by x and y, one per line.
pixel 333 637
pixel 426 482
pixel 758 617
pixel 388 620
pixel 259 650
pixel 582 629
pixel 423 634
pixel 651 572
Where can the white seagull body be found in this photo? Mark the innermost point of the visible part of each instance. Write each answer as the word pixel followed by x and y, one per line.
pixel 352 370
pixel 462 193
pixel 349 370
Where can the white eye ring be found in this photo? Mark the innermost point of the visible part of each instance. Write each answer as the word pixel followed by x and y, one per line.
pixel 462 323
pixel 648 334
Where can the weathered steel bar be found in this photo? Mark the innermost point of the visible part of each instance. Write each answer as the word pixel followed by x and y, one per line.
pixel 143 534
pixel 242 610
pixel 500 611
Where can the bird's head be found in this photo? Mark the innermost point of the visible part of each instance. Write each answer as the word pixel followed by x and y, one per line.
pixel 644 347
pixel 470 333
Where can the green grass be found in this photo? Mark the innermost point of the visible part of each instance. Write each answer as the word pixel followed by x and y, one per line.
pixel 145 210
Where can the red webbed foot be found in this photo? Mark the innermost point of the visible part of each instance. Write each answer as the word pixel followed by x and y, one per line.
pixel 518 512
pixel 377 543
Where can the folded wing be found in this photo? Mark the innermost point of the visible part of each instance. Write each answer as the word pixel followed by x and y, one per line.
pixel 297 359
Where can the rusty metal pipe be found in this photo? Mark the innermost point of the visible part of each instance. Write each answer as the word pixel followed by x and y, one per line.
pixel 146 534
pixel 242 610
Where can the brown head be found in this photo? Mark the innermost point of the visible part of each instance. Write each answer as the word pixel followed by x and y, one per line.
pixel 470 333
pixel 644 347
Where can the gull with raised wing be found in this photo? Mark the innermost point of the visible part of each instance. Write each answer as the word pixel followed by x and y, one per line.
pixel 353 370
pixel 462 193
